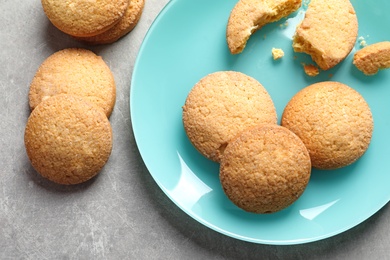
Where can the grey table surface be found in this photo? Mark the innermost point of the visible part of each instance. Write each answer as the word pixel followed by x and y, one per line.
pixel 122 213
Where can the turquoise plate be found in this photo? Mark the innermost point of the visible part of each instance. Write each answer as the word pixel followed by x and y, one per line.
pixel 185 43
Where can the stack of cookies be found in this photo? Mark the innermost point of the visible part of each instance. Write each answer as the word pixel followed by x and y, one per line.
pixel 230 118
pixel 95 22
pixel 68 136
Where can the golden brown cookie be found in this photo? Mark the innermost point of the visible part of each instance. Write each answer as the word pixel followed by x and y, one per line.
pixel 68 140
pixel 78 72
pixel 220 106
pixel 328 32
pixel 372 58
pixel 333 121
pixel 84 18
pixel 123 27
pixel 265 169
pixel 248 16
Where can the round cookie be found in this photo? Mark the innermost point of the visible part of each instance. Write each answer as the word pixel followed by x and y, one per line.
pixel 328 32
pixel 333 121
pixel 68 140
pixel 78 72
pixel 265 169
pixel 84 18
pixel 220 106
pixel 123 27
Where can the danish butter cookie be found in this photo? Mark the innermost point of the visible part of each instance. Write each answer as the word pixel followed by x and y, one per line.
pixel 328 32
pixel 123 27
pixel 220 106
pixel 333 121
pixel 265 169
pixel 249 16
pixel 78 72
pixel 84 18
pixel 68 140
pixel 372 58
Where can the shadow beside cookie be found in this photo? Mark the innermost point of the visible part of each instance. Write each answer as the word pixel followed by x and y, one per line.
pixel 357 74
pixel 53 187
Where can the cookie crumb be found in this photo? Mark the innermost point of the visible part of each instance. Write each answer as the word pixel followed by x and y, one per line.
pixel 277 53
pixel 283 25
pixel 311 70
pixel 362 42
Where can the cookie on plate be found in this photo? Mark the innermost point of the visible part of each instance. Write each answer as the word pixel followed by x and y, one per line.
pixel 249 16
pixel 84 18
pixel 328 32
pixel 372 58
pixel 334 122
pixel 220 106
pixel 265 169
pixel 123 27
pixel 78 72
pixel 68 140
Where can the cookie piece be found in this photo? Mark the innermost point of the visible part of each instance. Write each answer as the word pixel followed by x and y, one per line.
pixel 328 32
pixel 277 53
pixel 220 106
pixel 265 169
pixel 333 121
pixel 123 27
pixel 78 72
pixel 68 140
pixel 311 70
pixel 372 58
pixel 248 16
pixel 84 18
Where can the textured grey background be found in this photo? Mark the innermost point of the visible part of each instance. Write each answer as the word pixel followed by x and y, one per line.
pixel 121 214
